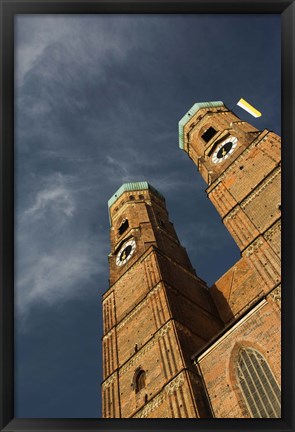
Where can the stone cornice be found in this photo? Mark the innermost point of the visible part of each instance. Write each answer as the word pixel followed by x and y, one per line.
pixel 136 357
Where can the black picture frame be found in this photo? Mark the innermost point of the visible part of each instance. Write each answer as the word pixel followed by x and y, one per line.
pixel 9 8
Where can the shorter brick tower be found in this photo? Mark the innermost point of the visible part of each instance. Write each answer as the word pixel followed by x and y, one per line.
pixel 242 167
pixel 157 312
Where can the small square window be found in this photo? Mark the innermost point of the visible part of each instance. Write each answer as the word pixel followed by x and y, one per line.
pixel 209 134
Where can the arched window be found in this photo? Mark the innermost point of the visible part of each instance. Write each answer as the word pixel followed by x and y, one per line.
pixel 258 384
pixel 123 227
pixel 161 223
pixel 139 380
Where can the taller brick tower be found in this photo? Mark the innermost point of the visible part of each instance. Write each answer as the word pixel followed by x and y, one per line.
pixel 156 313
pixel 242 167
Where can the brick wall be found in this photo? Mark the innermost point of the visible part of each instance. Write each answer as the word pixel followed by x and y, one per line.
pixel 261 331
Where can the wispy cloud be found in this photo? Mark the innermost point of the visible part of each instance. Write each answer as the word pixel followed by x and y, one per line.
pixel 58 264
pixel 35 34
pixel 56 277
pixel 118 167
pixel 55 198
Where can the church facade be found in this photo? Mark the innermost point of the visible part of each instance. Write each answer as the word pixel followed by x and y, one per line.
pixel 172 346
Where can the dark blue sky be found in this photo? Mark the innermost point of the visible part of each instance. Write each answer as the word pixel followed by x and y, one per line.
pixel 98 101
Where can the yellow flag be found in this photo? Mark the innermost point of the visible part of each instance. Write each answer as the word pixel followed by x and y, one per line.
pixel 249 108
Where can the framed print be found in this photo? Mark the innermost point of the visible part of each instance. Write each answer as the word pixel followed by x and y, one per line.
pixel 141 215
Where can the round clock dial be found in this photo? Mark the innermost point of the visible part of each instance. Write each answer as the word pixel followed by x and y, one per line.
pixel 125 252
pixel 224 150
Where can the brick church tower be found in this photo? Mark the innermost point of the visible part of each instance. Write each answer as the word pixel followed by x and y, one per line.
pixel 172 347
pixel 242 167
pixel 157 312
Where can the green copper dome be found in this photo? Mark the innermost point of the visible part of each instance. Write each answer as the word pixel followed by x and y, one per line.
pixel 134 186
pixel 195 108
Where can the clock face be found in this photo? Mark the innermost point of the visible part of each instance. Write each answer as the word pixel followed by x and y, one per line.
pixel 125 252
pixel 224 150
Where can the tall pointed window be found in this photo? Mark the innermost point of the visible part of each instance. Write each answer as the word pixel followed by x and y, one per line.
pixel 259 386
pixel 139 380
